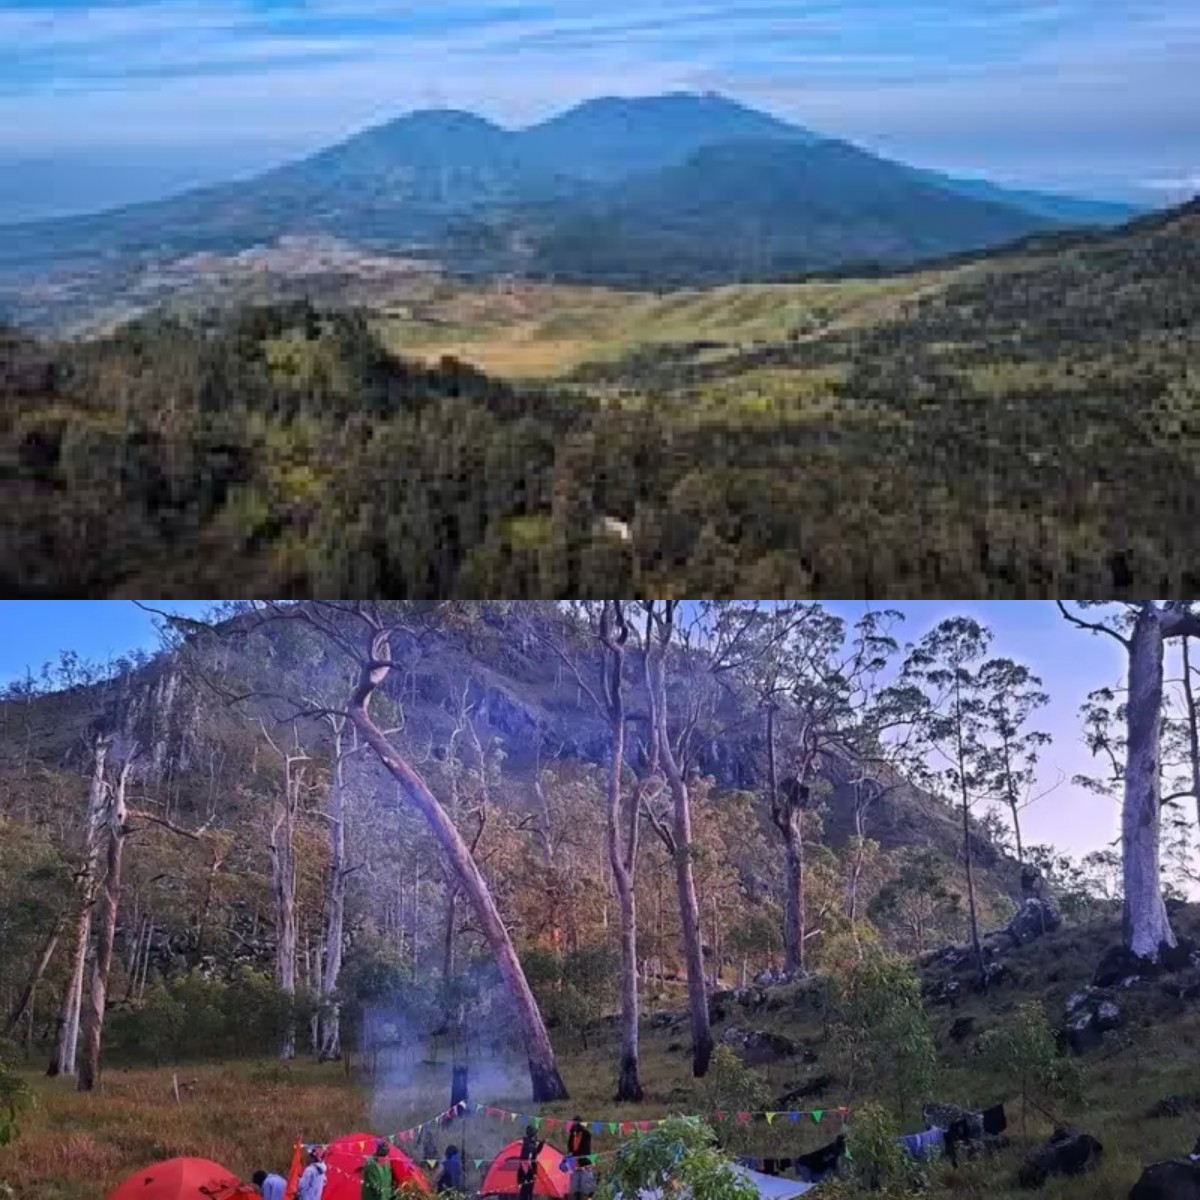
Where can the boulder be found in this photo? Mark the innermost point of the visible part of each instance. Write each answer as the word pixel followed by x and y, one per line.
pixel 1176 1180
pixel 665 1020
pixel 944 991
pixel 1035 918
pixel 962 1029
pixel 1089 1014
pixel 949 956
pixel 1185 987
pixel 994 974
pixel 756 1046
pixel 817 1086
pixel 1068 1152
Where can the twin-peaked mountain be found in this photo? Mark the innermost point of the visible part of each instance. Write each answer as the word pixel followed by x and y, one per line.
pixel 677 188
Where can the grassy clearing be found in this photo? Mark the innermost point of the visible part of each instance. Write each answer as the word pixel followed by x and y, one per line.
pixel 529 330
pixel 249 1115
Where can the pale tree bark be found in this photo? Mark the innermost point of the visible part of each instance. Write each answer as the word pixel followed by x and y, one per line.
pixel 1146 926
pixel 283 881
pixel 93 1021
pixel 543 1069
pixel 685 882
pixel 965 805
pixel 63 1062
pixel 330 1014
pixel 622 825
pixel 1193 727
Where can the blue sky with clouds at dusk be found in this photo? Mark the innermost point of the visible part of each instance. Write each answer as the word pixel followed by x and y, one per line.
pixel 1101 97
pixel 1070 662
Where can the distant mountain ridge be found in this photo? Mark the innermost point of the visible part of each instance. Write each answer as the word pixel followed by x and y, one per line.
pixel 677 176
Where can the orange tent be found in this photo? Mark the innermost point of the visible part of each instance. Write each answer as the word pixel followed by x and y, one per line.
pixel 501 1177
pixel 184 1179
pixel 345 1157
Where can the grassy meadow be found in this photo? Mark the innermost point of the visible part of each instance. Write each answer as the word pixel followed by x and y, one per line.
pixel 538 331
pixel 248 1115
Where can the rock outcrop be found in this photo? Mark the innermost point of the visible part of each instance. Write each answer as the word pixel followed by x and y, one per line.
pixel 1068 1152
pixel 1175 1180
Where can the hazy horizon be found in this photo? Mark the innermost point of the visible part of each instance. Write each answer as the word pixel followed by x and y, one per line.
pixel 1054 96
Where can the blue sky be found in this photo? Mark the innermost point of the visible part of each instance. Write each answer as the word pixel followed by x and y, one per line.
pixel 1070 662
pixel 1096 95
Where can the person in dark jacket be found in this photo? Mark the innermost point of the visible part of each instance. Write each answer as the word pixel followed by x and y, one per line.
pixel 531 1148
pixel 579 1150
pixel 451 1178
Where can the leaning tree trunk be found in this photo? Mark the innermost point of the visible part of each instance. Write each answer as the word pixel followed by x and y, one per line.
pixel 330 1029
pixel 93 1021
pixel 543 1069
pixel 25 1000
pixel 63 1062
pixel 685 882
pixel 1147 929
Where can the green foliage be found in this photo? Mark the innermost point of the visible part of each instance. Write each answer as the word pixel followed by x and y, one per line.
pixel 15 1098
pixel 882 1031
pixel 876 1160
pixel 733 1086
pixel 574 990
pixel 1024 1052
pixel 189 1017
pixel 679 1158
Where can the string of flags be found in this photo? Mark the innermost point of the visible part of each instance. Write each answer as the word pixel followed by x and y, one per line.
pixel 600 1127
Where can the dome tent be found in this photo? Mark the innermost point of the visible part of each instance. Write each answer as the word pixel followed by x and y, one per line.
pixel 344 1159
pixel 184 1179
pixel 501 1178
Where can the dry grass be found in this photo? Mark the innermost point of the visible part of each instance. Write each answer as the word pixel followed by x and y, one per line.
pixel 248 1116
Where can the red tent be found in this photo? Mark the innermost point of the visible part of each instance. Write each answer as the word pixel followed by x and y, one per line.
pixel 343 1167
pixel 501 1177
pixel 183 1179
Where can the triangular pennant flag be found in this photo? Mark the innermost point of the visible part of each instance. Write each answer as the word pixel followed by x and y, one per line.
pixel 613 1127
pixel 771 1118
pixel 626 1126
pixel 479 1164
pixel 795 1117
pixel 431 1163
pixel 818 1113
pixel 849 1155
pixel 551 1122
pixel 721 1116
pixel 645 1126
pixel 537 1122
pixel 512 1116
pixel 743 1117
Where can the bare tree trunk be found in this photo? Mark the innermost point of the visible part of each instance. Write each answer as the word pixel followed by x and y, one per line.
pixel 68 1029
pixel 1147 928
pixel 1193 728
pixel 794 912
pixel 283 886
pixel 543 1069
pixel 685 883
pixel 25 1000
pixel 93 1024
pixel 448 943
pixel 331 1036
pixel 623 824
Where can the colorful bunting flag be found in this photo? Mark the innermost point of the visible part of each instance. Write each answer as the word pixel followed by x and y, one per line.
pixel 721 1116
pixel 744 1117
pixel 613 1127
pixel 818 1113
pixel 795 1117
pixel 771 1118
pixel 479 1164
pixel 431 1163
pixel 597 1127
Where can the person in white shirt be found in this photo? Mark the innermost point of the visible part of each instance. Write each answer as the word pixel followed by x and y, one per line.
pixel 312 1182
pixel 271 1186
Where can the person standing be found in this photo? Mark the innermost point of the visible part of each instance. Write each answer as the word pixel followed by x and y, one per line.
pixel 579 1151
pixel 312 1181
pixel 271 1186
pixel 527 1167
pixel 377 1175
pixel 451 1178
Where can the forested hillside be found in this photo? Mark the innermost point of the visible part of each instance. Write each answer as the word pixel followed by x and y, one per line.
pixel 580 846
pixel 946 434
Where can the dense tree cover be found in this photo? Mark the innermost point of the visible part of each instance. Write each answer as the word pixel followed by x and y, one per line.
pixel 995 439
